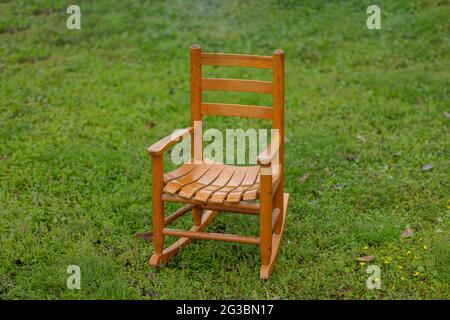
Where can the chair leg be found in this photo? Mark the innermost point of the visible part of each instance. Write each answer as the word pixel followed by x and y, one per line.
pixel 158 259
pixel 265 219
pixel 157 206
pixel 197 213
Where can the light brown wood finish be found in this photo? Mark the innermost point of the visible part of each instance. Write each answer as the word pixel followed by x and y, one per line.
pixel 265 218
pixel 218 183
pixel 270 153
pixel 252 192
pixel 211 236
pixel 208 188
pixel 239 207
pixel 179 172
pixel 266 270
pixel 275 216
pixel 220 195
pixel 173 186
pixel 236 110
pixel 188 191
pixel 236 60
pixel 162 145
pixel 251 177
pixel 196 91
pixel 220 84
pixel 157 203
pixel 278 123
pixel 221 181
pixel 196 114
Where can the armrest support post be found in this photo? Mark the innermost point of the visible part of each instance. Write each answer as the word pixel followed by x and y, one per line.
pixel 157 202
pixel 265 215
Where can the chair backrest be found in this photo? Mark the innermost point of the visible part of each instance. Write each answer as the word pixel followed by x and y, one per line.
pixel 274 87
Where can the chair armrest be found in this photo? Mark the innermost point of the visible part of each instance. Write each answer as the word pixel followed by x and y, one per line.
pixel 269 154
pixel 162 145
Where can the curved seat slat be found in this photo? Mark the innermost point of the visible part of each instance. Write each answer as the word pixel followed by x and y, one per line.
pixel 215 183
pixel 199 170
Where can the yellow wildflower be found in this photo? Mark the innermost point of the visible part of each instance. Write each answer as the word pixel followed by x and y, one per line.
pixel 387 260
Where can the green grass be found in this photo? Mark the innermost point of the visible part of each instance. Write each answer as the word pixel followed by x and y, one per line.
pixel 79 108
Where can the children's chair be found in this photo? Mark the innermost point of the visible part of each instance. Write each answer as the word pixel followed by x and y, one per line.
pixel 207 188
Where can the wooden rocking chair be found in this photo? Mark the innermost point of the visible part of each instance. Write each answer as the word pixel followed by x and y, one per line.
pixel 208 188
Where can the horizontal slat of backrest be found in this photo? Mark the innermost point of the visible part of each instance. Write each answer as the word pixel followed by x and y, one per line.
pixel 257 86
pixel 238 110
pixel 236 60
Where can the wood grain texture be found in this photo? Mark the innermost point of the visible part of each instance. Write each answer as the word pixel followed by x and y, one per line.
pixel 220 195
pixel 265 219
pixel 189 190
pixel 178 172
pixel 240 207
pixel 196 97
pixel 270 153
pixel 157 203
pixel 278 123
pixel 236 110
pixel 266 270
pixel 162 145
pixel 236 60
pixel 218 183
pixel 173 186
pixel 221 84
pixel 225 176
pixel 251 177
pixel 211 236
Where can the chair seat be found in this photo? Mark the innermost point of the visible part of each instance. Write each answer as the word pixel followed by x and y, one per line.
pixel 215 183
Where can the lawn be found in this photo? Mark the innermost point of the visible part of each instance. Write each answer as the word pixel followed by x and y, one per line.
pixel 366 110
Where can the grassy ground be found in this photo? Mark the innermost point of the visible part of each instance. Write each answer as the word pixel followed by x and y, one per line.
pixel 365 111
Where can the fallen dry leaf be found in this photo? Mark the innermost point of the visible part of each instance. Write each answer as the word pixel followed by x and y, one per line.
pixel 428 167
pixel 328 172
pixel 150 125
pixel 318 192
pixel 419 101
pixel 304 178
pixel 365 258
pixel 407 232
pixel 350 157
pixel 361 138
